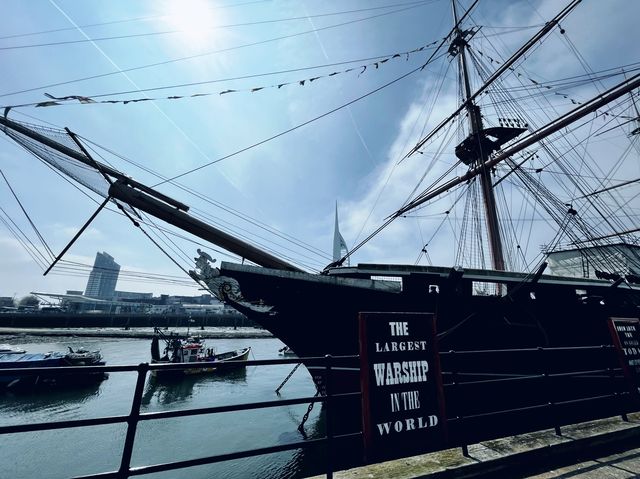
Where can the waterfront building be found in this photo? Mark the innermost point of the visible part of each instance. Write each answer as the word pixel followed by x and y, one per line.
pixel 103 277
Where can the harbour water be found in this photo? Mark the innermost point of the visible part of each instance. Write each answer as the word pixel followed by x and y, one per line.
pixel 71 452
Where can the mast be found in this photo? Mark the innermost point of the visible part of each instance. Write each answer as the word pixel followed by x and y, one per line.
pixel 473 150
pixel 550 128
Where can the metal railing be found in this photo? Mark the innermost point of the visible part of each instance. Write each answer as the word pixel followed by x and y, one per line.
pixel 135 416
pixel 516 391
pixel 568 385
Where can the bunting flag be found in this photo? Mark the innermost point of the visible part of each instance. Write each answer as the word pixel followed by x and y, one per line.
pixel 58 101
pixel 81 99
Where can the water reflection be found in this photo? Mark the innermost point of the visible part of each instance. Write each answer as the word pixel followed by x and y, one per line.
pixel 49 399
pixel 304 462
pixel 29 454
pixel 171 390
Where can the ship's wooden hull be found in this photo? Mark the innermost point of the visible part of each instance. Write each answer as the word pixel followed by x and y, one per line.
pixel 318 315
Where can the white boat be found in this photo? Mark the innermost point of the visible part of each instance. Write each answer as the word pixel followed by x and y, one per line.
pixel 180 350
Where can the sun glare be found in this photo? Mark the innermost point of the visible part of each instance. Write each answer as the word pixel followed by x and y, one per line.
pixel 194 19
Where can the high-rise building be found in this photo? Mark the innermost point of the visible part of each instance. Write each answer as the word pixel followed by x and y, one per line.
pixel 103 277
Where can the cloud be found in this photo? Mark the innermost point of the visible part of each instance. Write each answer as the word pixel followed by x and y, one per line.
pixel 389 186
pixel 68 232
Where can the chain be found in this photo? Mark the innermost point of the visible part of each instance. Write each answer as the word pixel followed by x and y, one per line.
pixel 287 378
pixel 306 415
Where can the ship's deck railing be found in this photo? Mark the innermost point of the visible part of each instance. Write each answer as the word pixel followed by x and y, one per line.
pixel 512 392
pixel 135 416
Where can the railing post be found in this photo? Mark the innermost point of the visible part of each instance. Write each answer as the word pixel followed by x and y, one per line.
pixel 456 388
pixel 329 416
pixel 132 422
pixel 547 385
pixel 612 377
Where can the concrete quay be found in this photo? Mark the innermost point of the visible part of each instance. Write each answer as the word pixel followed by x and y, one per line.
pixel 607 448
pixel 207 332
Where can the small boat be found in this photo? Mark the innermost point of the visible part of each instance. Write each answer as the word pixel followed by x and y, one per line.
pixel 17 361
pixel 286 351
pixel 8 349
pixel 189 349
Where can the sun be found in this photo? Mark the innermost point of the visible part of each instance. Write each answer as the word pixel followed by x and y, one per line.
pixel 194 19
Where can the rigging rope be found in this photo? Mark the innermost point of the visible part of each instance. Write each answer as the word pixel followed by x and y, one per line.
pixel 42 240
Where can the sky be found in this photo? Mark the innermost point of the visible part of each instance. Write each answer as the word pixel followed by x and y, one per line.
pixel 268 137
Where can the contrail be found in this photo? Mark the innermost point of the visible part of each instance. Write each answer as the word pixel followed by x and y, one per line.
pixel 353 120
pixel 173 123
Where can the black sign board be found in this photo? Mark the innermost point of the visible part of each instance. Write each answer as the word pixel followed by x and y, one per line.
pixel 402 399
pixel 626 338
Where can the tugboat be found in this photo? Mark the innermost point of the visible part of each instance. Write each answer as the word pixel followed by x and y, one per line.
pixel 189 350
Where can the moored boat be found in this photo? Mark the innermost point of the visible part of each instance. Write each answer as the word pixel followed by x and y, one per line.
pixel 14 365
pixel 181 350
pixel 9 349
pixel 286 351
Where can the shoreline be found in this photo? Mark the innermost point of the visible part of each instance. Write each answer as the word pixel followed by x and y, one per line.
pixel 144 333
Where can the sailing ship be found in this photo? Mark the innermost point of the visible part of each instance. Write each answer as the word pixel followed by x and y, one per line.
pixel 486 303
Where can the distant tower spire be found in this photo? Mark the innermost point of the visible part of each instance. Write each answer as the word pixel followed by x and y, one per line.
pixel 339 244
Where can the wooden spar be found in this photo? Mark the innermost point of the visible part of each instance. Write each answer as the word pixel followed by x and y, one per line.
pixel 503 68
pixel 73 240
pixel 618 233
pixel 76 155
pixel 137 199
pixel 565 120
pixel 157 204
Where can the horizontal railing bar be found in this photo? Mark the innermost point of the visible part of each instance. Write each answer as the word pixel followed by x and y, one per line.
pixel 169 466
pixel 240 407
pixel 451 373
pixel 62 370
pixel 159 415
pixel 520 350
pixel 510 375
pixel 579 373
pixel 494 381
pixel 177 366
pixel 536 406
pixel 47 426
pixel 319 360
pixel 230 408
pixel 138 471
pixel 314 360
pixel 163 414
pixel 575 374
